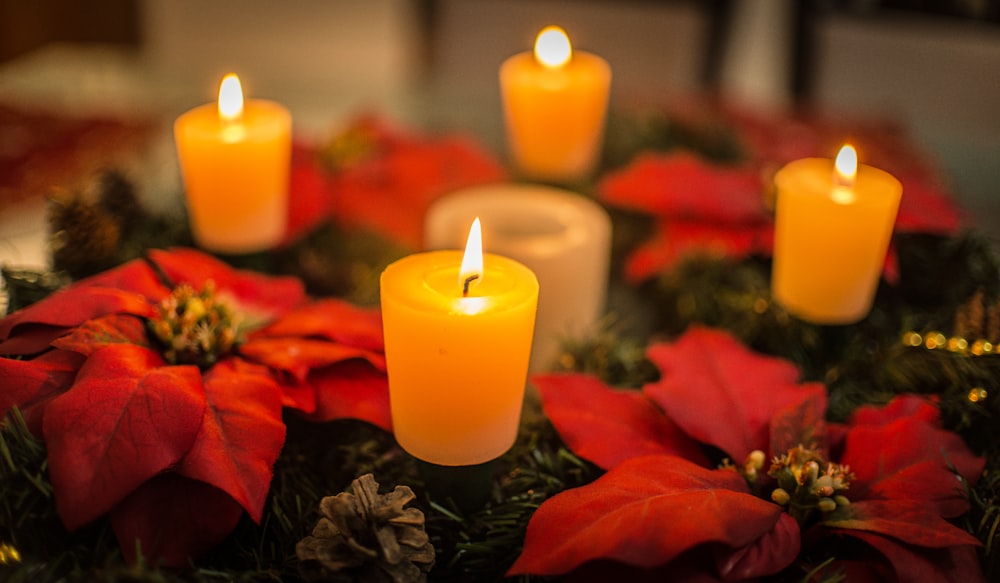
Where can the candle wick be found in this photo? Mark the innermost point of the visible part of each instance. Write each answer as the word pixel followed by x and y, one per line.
pixel 468 280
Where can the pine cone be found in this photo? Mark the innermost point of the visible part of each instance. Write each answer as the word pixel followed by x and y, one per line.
pixel 366 536
pixel 83 239
pixel 117 197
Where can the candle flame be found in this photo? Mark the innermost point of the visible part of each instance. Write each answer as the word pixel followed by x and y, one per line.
pixel 230 98
pixel 552 47
pixel 846 166
pixel 844 174
pixel 471 272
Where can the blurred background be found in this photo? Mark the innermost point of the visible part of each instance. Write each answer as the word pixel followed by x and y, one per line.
pixel 932 65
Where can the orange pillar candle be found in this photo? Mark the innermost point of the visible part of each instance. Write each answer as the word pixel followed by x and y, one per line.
pixel 457 362
pixel 555 101
pixel 235 161
pixel 833 224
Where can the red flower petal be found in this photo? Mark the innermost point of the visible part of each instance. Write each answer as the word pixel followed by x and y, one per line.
pixel 645 512
pixel 765 556
pixel 954 564
pixel 911 462
pixel 257 294
pixel 68 308
pixel 126 419
pixel 296 394
pixel 25 383
pixel 299 356
pixel 608 426
pixel 926 208
pixel 684 186
pixel 907 521
pixel 334 320
pixel 678 239
pixel 391 192
pixel 173 519
pixel 241 435
pixel 903 406
pixel 136 276
pixel 93 335
pixel 722 393
pixel 352 389
pixel 308 200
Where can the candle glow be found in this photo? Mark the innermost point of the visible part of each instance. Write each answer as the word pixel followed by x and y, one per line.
pixel 552 47
pixel 833 224
pixel 471 273
pixel 845 172
pixel 230 98
pixel 456 363
pixel 555 100
pixel 235 161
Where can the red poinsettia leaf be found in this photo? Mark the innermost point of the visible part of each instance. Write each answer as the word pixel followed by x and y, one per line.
pixel 765 556
pixel 332 319
pixel 68 308
pixel 800 423
pixel 94 334
pixel 136 276
pixel 722 393
pixel 608 426
pixel 680 185
pixel 308 200
pixel 261 296
pixel 926 207
pixel 903 406
pixel 645 512
pixel 171 519
pixel 299 356
pixel 25 383
pixel 953 564
pixel 296 394
pixel 352 389
pixel 241 435
pixel 676 240
pixel 905 444
pixel 390 192
pixel 125 419
pixel 31 339
pixel 908 521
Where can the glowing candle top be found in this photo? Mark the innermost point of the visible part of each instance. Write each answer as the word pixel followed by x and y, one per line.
pixel 552 47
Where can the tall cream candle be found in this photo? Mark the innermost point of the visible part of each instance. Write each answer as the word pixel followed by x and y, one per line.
pixel 562 236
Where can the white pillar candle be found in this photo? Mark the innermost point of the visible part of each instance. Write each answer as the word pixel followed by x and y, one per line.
pixel 562 236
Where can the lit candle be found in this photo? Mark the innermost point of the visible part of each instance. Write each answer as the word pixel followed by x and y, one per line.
pixel 555 101
pixel 563 237
pixel 457 341
pixel 235 160
pixel 833 224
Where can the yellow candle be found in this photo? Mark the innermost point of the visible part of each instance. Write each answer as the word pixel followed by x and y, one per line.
pixel 235 161
pixel 555 102
pixel 833 224
pixel 457 362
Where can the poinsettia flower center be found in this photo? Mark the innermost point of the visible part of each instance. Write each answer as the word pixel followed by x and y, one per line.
pixel 194 327
pixel 350 148
pixel 808 483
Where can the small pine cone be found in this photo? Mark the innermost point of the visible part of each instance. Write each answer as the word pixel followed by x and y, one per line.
pixel 367 536
pixel 117 197
pixel 83 239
